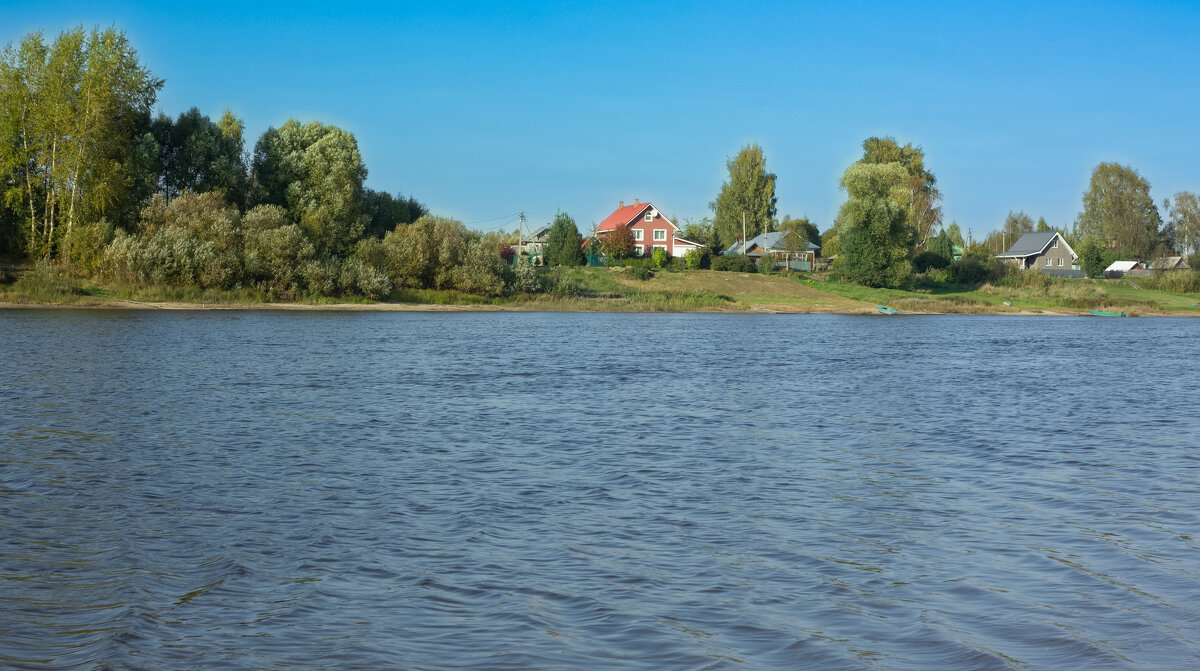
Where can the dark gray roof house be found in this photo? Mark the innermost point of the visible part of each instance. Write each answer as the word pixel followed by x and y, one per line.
pixel 771 242
pixel 1047 251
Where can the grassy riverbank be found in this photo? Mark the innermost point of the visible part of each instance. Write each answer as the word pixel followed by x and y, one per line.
pixel 615 290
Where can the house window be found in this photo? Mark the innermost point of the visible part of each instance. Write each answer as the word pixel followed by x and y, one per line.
pixel 1048 261
pixel 649 215
pixel 637 234
pixel 1060 262
pixel 1055 245
pixel 662 247
pixel 639 250
pixel 660 234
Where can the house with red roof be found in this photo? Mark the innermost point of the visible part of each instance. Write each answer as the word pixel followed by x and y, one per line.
pixel 650 228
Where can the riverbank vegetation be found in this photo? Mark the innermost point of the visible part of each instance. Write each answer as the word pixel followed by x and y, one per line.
pixel 104 202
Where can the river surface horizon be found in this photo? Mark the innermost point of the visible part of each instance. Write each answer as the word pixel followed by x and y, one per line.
pixel 277 490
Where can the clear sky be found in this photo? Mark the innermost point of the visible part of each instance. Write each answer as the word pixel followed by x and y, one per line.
pixel 482 110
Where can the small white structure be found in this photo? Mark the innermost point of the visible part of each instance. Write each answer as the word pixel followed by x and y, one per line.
pixel 1120 268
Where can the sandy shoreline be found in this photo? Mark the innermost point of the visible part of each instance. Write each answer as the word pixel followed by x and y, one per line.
pixel 123 304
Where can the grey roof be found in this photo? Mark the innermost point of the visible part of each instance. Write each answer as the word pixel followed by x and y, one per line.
pixel 1168 263
pixel 769 241
pixel 1030 244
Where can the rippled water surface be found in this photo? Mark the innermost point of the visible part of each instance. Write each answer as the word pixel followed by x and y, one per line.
pixel 508 491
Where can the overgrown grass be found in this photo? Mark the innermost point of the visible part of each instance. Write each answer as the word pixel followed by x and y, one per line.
pixel 45 282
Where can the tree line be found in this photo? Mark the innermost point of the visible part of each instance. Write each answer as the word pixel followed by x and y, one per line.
pixel 891 225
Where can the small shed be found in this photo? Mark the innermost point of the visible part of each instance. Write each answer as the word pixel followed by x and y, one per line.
pixel 1122 268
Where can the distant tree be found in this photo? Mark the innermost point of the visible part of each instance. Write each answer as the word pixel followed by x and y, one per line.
pixel 617 244
pixel 829 242
pixel 385 212
pixel 196 154
pixel 873 231
pixel 69 113
pixel 1042 226
pixel 749 193
pixel 1091 257
pixel 1185 222
pixel 955 234
pixel 1118 210
pixel 316 173
pixel 564 244
pixel 702 232
pixel 920 195
pixel 1016 224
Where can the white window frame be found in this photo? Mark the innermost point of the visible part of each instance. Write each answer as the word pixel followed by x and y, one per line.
pixel 1055 245
pixel 1060 261
pixel 637 234
pixel 639 250
pixel 660 234
pixel 649 215
pixel 1049 261
pixel 662 247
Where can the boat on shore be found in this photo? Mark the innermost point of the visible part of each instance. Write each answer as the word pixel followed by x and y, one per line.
pixel 1106 313
pixel 885 309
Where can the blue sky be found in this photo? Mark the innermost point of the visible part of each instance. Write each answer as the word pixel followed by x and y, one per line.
pixel 482 110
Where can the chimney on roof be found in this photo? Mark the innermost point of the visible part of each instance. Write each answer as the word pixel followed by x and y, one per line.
pixel 620 204
pixel 636 201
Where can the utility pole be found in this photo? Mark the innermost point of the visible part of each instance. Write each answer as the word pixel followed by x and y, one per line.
pixel 744 241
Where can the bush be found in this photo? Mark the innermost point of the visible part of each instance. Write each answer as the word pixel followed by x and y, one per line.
pixel 481 272
pixel 659 258
pixel 172 256
pixel 561 284
pixel 697 259
pixel 276 256
pixel 525 276
pixel 359 278
pixel 85 246
pixel 1176 281
pixel 929 260
pixel 676 264
pixel 640 273
pixel 735 263
pixel 976 270
pixel 766 264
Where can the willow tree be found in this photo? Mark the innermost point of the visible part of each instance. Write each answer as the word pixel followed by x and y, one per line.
pixel 748 196
pixel 873 235
pixel 919 195
pixel 69 112
pixel 316 173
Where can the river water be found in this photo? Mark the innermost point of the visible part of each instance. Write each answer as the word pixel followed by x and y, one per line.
pixel 269 490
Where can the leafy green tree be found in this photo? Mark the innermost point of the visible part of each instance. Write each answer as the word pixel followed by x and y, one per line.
pixel 564 245
pixel 316 173
pixel 1091 257
pixel 198 154
pixel 481 271
pixel 617 244
pixel 69 112
pixel 955 234
pixel 703 233
pixel 1118 209
pixel 659 258
pixel 411 254
pixel 920 195
pixel 873 231
pixel 385 212
pixel 1185 222
pixel 749 193
pixel 1042 226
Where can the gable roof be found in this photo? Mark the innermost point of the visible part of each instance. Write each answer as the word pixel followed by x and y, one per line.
pixel 1031 244
pixel 1168 263
pixel 769 241
pixel 1123 266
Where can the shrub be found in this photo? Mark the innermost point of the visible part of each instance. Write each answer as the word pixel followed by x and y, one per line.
pixel 640 273
pixel 85 246
pixel 659 258
pixel 929 260
pixel 976 270
pixel 172 256
pixel 677 264
pixel 481 271
pixel 320 278
pixel 1177 281
pixel 46 282
pixel 735 263
pixel 766 264
pixel 697 259
pixel 561 284
pixel 525 276
pixel 277 256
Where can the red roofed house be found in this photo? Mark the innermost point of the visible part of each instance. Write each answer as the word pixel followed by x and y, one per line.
pixel 650 229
